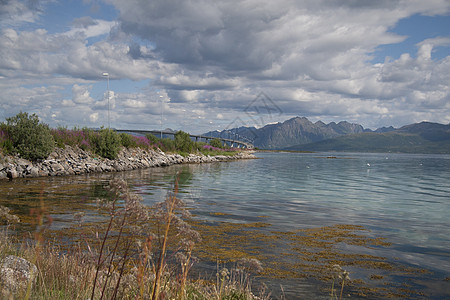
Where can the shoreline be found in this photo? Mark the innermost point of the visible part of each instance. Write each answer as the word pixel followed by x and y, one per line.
pixel 75 161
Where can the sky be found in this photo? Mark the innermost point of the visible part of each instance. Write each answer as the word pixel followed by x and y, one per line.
pixel 202 65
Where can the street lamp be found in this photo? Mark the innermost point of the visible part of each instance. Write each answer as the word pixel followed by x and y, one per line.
pixel 161 98
pixel 107 76
pixel 210 130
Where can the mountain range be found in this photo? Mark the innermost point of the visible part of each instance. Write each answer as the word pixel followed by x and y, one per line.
pixel 303 135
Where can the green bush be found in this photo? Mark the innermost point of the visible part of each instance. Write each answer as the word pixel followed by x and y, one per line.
pixel 216 143
pixel 28 137
pixel 90 140
pixel 167 145
pixel 127 140
pixel 5 143
pixel 7 147
pixel 108 143
pixel 199 145
pixel 183 142
pixel 152 139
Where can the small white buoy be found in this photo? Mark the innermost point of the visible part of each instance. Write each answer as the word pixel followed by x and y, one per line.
pixel 368 164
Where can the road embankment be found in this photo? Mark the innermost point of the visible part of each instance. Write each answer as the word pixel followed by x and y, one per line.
pixel 75 161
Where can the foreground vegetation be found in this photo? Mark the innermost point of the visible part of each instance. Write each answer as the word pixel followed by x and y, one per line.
pixel 140 253
pixel 25 135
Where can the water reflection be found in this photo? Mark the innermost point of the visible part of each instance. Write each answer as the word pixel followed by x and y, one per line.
pixel 401 198
pixel 64 196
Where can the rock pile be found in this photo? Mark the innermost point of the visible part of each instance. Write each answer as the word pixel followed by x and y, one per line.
pixel 74 161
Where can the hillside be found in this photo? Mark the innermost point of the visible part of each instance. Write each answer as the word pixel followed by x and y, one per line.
pixel 422 137
pixel 295 131
pixel 301 134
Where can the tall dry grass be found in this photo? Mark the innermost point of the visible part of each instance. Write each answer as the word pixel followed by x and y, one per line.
pixel 140 253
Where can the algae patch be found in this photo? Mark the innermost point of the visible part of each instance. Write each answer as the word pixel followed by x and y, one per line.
pixel 310 253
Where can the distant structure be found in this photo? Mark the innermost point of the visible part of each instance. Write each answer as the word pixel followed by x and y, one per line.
pixel 231 142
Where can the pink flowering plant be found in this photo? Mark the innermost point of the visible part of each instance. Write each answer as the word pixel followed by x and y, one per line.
pixel 40 140
pixel 64 136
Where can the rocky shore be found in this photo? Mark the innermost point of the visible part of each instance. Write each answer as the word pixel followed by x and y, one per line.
pixel 75 161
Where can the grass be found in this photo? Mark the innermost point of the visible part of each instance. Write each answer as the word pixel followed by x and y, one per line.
pixel 141 253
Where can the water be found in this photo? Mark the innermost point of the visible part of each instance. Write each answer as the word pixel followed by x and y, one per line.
pixel 403 198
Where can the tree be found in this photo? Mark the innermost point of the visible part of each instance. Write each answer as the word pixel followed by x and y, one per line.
pixel 108 143
pixel 216 143
pixel 30 138
pixel 183 142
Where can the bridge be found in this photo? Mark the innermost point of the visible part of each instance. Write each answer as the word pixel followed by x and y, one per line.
pixel 198 138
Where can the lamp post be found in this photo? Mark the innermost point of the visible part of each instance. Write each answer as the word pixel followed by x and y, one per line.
pixel 210 130
pixel 161 98
pixel 107 76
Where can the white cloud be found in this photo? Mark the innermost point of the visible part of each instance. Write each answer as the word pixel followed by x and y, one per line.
pixel 93 118
pixel 134 103
pixel 39 53
pixel 66 102
pixel 106 101
pixel 88 27
pixel 81 95
pixel 15 12
pixel 212 58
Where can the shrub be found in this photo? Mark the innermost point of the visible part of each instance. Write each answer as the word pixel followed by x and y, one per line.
pixel 30 138
pixel 90 140
pixel 131 141
pixel 183 142
pixel 199 145
pixel 64 136
pixel 5 143
pixel 167 145
pixel 152 139
pixel 107 144
pixel 127 140
pixel 142 142
pixel 216 143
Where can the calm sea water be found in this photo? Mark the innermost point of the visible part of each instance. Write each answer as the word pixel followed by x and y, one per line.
pixel 403 198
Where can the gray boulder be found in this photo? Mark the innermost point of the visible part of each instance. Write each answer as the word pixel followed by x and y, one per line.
pixel 16 275
pixel 12 173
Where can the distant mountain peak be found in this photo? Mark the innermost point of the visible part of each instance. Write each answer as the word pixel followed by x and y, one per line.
pixel 294 131
pixel 299 131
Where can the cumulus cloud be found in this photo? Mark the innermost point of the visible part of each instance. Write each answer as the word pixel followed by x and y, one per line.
pixel 93 118
pixel 257 35
pixel 210 59
pixel 277 46
pixel 108 101
pixel 16 12
pixel 88 27
pixel 38 52
pixel 134 103
pixel 80 94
